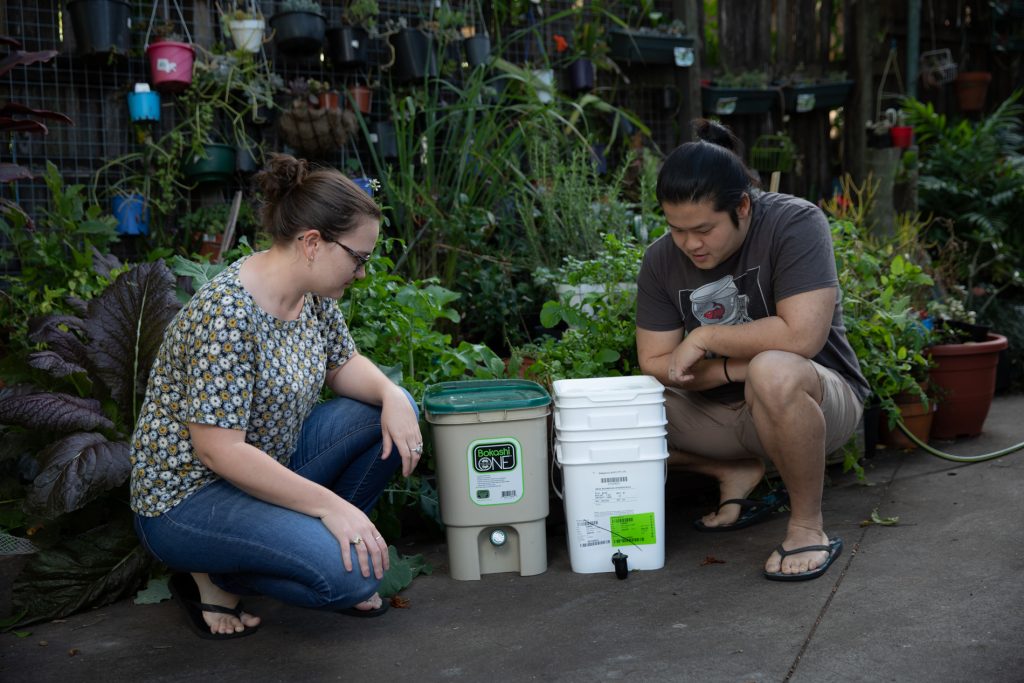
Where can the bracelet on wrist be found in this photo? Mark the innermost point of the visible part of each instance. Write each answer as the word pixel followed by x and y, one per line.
pixel 725 369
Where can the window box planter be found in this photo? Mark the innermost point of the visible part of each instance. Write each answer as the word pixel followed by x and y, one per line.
pixel 807 97
pixel 217 167
pixel 650 47
pixel 727 101
pixel 100 27
pixel 347 46
pixel 298 33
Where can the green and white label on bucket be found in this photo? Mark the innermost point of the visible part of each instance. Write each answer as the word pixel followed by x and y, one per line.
pixel 633 529
pixel 495 471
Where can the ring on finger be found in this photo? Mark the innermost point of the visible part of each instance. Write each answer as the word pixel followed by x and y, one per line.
pixel 418 448
pixel 358 540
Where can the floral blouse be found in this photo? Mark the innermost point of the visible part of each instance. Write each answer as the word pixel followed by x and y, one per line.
pixel 224 361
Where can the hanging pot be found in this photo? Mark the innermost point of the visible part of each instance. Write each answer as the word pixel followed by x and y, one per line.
pixel 581 75
pixel 363 98
pixel 143 104
pixel 971 89
pixel 132 214
pixel 170 65
pixel 385 139
pixel 217 167
pixel 101 27
pixel 247 34
pixel 365 184
pixel 245 161
pixel 347 46
pixel 478 50
pixel 298 33
pixel 415 56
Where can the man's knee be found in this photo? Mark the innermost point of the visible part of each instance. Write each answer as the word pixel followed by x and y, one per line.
pixel 776 377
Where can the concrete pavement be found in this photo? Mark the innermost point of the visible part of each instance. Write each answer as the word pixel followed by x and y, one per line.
pixel 937 597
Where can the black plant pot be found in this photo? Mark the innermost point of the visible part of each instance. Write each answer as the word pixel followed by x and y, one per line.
pixel 478 50
pixel 347 45
pixel 245 161
pixel 581 75
pixel 872 415
pixel 387 143
pixel 100 27
pixel 298 33
pixel 415 56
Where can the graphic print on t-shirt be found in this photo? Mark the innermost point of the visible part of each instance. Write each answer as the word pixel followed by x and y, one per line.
pixel 726 301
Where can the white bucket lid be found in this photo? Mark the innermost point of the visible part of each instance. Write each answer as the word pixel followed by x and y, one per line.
pixel 622 432
pixel 599 390
pixel 625 434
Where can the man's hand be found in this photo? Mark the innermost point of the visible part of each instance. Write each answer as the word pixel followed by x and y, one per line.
pixel 689 352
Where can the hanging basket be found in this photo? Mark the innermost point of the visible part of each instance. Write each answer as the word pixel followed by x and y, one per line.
pixel 316 132
pixel 773 153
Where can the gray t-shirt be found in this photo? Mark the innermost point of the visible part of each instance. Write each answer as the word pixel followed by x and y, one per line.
pixel 787 251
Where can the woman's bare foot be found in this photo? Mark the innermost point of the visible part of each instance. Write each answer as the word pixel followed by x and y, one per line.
pixel 372 603
pixel 799 537
pixel 736 479
pixel 211 594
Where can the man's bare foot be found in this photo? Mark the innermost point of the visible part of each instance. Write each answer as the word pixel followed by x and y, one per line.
pixel 736 479
pixel 211 594
pixel 799 537
pixel 374 602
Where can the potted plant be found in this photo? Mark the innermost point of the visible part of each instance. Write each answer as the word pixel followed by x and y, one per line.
pixel 415 54
pixel 143 104
pixel 170 57
pixel 100 27
pixel 312 129
pixel 647 38
pixel 299 27
pixel 805 93
pixel 206 226
pixel 347 45
pixel 743 93
pixel 478 43
pixel 247 26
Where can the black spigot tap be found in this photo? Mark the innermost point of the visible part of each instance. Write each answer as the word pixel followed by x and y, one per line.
pixel 621 564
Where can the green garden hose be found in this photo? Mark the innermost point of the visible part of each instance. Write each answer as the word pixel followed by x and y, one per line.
pixel 958 458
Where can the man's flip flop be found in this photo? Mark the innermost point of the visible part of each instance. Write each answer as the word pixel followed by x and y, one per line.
pixel 834 548
pixel 754 511
pixel 186 594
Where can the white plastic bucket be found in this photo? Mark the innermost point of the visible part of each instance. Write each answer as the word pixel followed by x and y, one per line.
pixel 609 402
pixel 612 445
pixel 614 505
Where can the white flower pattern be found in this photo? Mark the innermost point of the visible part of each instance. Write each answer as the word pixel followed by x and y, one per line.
pixel 226 362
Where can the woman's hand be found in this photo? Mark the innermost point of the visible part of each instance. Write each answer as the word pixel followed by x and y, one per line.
pixel 401 429
pixel 351 527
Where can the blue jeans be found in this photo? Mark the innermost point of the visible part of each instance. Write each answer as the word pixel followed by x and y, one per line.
pixel 251 547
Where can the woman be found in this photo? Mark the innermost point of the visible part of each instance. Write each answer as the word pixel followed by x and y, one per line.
pixel 238 476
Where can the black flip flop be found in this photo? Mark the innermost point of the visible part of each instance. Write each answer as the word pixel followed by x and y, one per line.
pixel 186 593
pixel 754 511
pixel 834 548
pixel 366 613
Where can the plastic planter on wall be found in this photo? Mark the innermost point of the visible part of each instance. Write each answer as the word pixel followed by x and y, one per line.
pixel 100 27
pixel 580 75
pixel 143 104
pixel 810 96
pixel 347 46
pixel 366 184
pixel 415 55
pixel 247 34
pixel 478 50
pixel 217 167
pixel 131 213
pixel 170 65
pixel 298 33
pixel 727 101
pixel 635 47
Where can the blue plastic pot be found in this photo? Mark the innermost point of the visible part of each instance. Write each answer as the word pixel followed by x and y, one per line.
pixel 132 214
pixel 364 183
pixel 144 106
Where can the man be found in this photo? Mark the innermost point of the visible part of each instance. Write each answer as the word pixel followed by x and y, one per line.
pixel 739 315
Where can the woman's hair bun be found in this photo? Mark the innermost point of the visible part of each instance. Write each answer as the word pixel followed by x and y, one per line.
pixel 717 134
pixel 282 173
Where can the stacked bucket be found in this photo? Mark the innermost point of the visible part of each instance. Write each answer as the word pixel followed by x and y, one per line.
pixel 611 447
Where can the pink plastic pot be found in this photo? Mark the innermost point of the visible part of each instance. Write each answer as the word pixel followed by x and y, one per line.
pixel 901 136
pixel 170 65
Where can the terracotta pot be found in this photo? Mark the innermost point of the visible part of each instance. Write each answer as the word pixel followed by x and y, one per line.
pixel 329 100
pixel 964 378
pixel 363 98
pixel 915 416
pixel 971 89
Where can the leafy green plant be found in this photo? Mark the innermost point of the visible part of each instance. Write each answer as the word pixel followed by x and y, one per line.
pixel 299 6
pixel 73 423
pixel 361 13
pixel 971 178
pixel 62 257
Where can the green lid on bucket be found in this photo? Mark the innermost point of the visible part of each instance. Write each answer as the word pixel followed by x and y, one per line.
pixel 475 396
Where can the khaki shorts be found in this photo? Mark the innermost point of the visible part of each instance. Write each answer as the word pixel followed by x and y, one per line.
pixel 700 426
